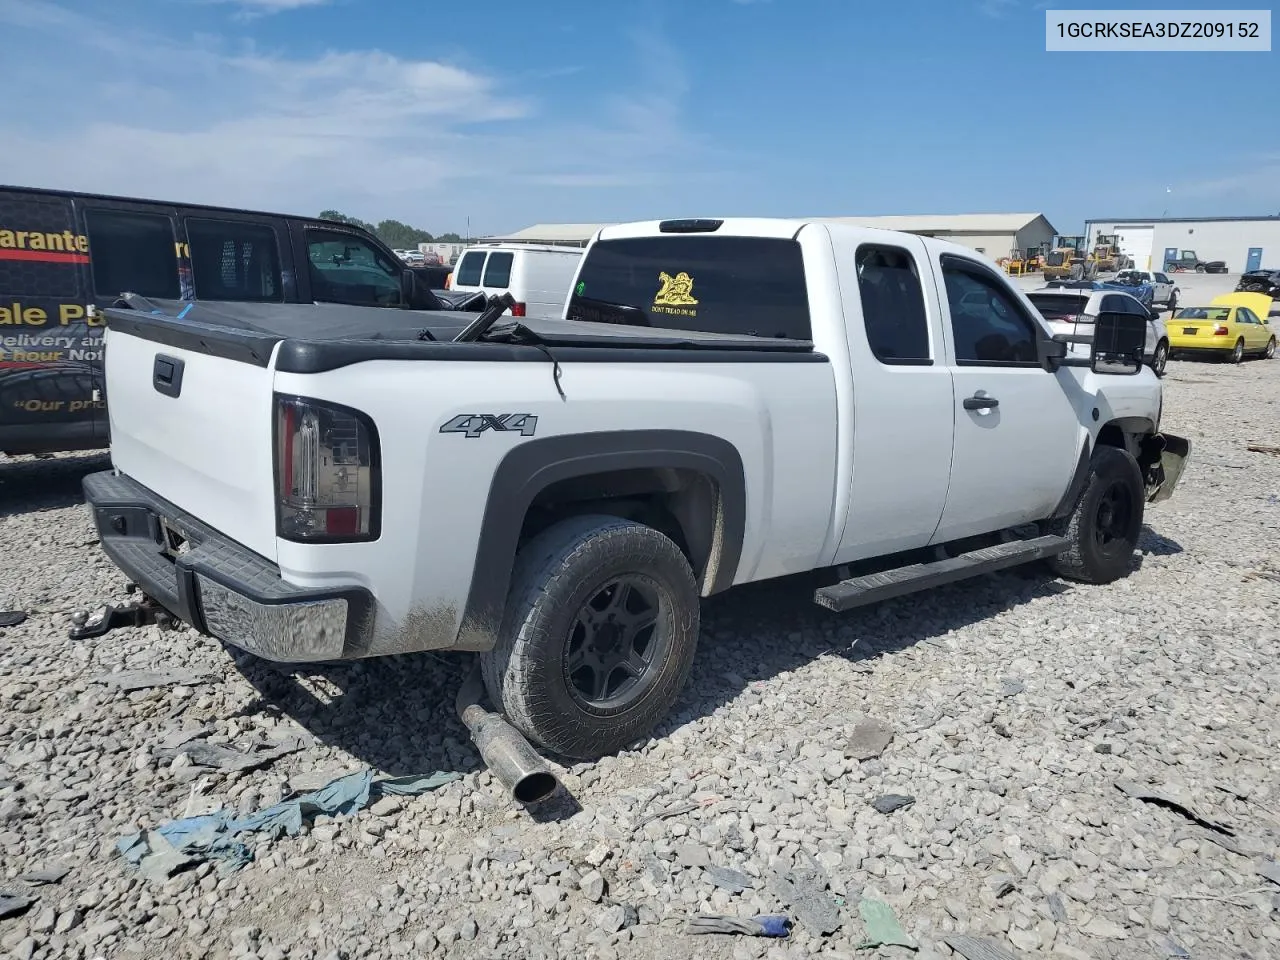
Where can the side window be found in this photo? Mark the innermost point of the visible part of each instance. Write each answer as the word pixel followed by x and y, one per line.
pixel 1161 278
pixel 1245 315
pixel 346 268
pixel 467 273
pixel 133 253
pixel 893 305
pixel 987 325
pixel 233 260
pixel 40 250
pixel 497 272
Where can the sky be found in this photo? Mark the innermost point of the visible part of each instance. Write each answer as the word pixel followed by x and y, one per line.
pixel 496 115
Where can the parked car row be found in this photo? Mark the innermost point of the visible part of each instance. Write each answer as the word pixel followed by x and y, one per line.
pixel 1230 327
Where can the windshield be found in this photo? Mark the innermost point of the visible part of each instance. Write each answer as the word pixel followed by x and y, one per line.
pixel 1130 278
pixel 752 286
pixel 1054 259
pixel 1219 314
pixel 1059 306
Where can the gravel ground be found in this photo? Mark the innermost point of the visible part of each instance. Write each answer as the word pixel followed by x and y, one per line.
pixel 1016 703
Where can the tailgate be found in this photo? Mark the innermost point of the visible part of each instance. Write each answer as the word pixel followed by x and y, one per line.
pixel 196 429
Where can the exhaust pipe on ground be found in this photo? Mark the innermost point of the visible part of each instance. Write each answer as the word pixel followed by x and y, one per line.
pixel 505 752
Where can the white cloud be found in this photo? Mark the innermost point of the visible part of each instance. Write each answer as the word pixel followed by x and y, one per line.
pixel 364 131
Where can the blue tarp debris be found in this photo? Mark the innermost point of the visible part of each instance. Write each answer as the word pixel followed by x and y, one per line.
pixel 161 852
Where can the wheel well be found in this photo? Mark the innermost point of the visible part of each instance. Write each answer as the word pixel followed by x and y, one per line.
pixel 1139 437
pixel 681 503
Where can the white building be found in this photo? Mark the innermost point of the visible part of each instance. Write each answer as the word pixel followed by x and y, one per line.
pixel 993 234
pixel 1244 243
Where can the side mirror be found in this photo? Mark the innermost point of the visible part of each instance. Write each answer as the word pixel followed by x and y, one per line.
pixel 1052 352
pixel 1118 342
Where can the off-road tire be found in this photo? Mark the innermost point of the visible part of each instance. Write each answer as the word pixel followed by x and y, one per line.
pixel 556 573
pixel 1087 560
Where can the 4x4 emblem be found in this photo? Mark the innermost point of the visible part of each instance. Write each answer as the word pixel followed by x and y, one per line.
pixel 474 424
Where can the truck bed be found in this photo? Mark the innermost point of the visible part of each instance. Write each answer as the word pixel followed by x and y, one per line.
pixel 325 336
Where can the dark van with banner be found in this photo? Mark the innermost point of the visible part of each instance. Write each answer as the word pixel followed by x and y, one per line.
pixel 64 256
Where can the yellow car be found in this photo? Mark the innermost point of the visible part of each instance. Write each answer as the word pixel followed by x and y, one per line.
pixel 1233 325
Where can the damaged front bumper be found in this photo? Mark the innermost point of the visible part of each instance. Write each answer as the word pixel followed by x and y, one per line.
pixel 218 586
pixel 1166 468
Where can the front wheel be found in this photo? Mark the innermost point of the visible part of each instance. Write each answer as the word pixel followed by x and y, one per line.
pixel 1270 352
pixel 1173 303
pixel 1160 362
pixel 1104 525
pixel 598 637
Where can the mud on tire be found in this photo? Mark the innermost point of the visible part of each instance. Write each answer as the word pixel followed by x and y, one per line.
pixel 598 638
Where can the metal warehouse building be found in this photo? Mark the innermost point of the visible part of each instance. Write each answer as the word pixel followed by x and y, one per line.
pixel 1244 243
pixel 993 234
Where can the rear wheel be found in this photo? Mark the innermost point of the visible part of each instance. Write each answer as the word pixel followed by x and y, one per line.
pixel 598 637
pixel 1104 525
pixel 1200 269
pixel 1237 352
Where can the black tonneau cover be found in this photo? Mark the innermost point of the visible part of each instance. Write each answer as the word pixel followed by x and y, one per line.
pixel 323 336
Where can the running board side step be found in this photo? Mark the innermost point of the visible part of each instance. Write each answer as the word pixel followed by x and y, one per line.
pixel 874 587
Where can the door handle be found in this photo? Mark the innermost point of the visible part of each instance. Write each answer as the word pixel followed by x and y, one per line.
pixel 980 403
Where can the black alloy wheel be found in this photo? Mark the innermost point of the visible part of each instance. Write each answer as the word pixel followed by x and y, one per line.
pixel 613 644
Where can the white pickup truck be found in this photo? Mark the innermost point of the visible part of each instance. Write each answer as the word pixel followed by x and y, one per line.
pixel 723 402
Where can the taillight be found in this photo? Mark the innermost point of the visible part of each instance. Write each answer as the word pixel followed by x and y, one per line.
pixel 1220 331
pixel 517 309
pixel 327 472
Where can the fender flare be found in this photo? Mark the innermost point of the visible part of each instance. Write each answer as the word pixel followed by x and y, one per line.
pixel 530 468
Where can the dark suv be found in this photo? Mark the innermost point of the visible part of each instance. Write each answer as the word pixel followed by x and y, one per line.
pixel 64 255
pixel 1260 281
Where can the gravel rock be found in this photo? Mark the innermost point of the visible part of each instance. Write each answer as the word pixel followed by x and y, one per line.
pixel 592 886
pixel 1165 679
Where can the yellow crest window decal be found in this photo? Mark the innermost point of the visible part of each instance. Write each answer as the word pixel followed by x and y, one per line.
pixel 675 295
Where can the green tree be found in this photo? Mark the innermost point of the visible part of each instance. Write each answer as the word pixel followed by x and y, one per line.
pixel 343 218
pixel 399 235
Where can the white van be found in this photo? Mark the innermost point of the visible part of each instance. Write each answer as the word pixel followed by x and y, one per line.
pixel 537 275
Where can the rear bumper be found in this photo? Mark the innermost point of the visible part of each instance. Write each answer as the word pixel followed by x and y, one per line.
pixel 1200 345
pixel 218 586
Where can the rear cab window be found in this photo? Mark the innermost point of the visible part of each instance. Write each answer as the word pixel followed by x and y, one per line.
pixel 893 309
pixel 1059 306
pixel 743 286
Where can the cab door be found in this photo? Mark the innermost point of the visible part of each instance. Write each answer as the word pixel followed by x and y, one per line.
pixel 1016 430
pixel 47 368
pixel 902 422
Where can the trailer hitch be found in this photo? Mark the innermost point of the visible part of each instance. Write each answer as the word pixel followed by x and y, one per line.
pixel 109 616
